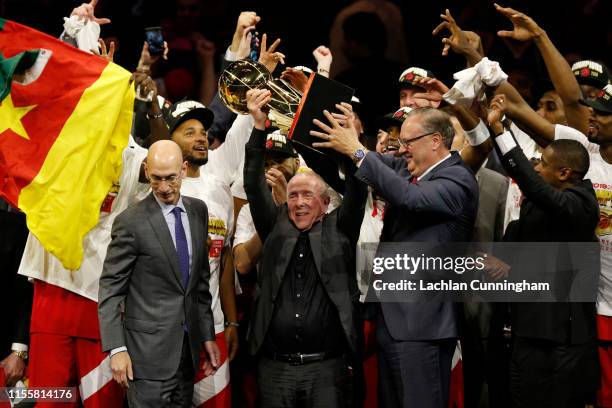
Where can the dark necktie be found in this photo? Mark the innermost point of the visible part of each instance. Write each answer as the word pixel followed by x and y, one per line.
pixel 181 245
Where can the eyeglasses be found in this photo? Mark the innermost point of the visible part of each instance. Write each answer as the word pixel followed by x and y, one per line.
pixel 172 180
pixel 405 142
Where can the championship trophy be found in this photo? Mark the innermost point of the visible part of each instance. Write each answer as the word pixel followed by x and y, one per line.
pixel 289 110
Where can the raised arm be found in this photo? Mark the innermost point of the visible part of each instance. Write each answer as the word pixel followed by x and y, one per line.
pixel 559 71
pixel 352 209
pixel 260 198
pixel 479 146
pixel 521 170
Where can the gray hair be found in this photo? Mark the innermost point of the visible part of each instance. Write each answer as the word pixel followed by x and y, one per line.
pixel 435 120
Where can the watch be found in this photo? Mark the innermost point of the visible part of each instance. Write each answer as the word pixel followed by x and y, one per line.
pixel 232 324
pixel 358 155
pixel 21 354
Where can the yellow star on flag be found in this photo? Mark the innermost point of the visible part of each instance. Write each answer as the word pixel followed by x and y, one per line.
pixel 10 117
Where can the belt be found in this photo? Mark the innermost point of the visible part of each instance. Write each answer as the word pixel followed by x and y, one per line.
pixel 296 359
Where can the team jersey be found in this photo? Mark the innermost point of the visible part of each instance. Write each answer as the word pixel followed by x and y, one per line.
pixel 218 198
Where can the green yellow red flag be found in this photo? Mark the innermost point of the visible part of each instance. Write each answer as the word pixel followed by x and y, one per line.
pixel 65 118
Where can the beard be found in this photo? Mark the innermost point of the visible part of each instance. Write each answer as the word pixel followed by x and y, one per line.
pixel 196 161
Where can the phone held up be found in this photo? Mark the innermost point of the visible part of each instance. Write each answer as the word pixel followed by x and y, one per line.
pixel 155 40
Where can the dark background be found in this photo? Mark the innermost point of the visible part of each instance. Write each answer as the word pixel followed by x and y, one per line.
pixel 576 26
pixel 579 28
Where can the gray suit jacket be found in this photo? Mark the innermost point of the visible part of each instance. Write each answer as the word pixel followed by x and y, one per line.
pixel 489 227
pixel 142 271
pixel 493 191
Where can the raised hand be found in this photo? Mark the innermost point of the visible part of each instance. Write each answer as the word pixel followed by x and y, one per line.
pixel 324 59
pixel 145 86
pixel 246 19
pixel 86 12
pixel 524 28
pixel 257 99
pixel 147 60
pixel 343 139
pixel 244 48
pixel 245 24
pixel 277 181
pixel 297 78
pixel 107 55
pixel 466 43
pixel 434 89
pixel 497 110
pixel 269 57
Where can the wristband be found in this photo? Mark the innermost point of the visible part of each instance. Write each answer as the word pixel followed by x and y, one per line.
pixel 155 116
pixel 232 324
pixel 478 135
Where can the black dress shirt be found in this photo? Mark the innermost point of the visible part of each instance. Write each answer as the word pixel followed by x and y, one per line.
pixel 305 320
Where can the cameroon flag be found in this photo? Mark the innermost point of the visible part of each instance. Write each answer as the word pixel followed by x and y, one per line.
pixel 63 127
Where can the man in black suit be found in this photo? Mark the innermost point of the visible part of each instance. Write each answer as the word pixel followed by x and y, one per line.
pixel 15 297
pixel 554 354
pixel 305 320
pixel 432 196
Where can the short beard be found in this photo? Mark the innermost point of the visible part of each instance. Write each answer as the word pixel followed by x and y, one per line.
pixel 196 162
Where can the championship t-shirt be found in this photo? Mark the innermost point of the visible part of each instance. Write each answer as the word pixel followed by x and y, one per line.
pixel 600 174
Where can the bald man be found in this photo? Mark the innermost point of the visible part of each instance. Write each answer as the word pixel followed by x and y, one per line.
pixel 157 267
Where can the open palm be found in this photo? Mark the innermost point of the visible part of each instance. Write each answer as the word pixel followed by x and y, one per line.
pixel 523 26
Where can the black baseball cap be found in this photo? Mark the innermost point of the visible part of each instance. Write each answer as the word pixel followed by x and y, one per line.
pixel 394 118
pixel 278 145
pixel 186 109
pixel 411 74
pixel 603 103
pixel 592 73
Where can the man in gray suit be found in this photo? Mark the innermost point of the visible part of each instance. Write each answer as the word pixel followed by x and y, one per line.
pixel 157 268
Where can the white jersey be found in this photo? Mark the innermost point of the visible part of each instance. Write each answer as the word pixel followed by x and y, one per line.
pixel 224 163
pixel 218 198
pixel 600 174
pixel 245 227
pixel 369 237
pixel 39 264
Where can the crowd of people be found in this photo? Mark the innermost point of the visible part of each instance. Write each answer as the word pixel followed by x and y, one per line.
pixel 228 270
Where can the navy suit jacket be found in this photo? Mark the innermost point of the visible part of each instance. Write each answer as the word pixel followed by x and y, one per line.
pixel 441 207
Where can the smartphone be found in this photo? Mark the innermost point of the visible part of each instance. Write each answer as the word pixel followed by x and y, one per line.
pixel 155 40
pixel 254 54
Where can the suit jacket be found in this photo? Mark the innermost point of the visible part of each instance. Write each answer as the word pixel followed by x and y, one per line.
pixel 489 227
pixel 141 270
pixel 492 195
pixel 16 292
pixel 441 207
pixel 552 215
pixel 332 242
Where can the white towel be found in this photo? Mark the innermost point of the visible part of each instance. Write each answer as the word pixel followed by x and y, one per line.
pixel 469 85
pixel 85 32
